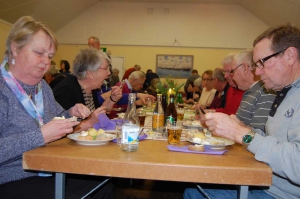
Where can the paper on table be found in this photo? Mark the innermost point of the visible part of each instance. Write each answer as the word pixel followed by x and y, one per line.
pixel 186 150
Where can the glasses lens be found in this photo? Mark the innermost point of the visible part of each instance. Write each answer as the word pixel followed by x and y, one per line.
pixel 259 64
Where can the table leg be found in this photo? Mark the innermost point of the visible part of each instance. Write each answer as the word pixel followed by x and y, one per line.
pixel 60 185
pixel 243 192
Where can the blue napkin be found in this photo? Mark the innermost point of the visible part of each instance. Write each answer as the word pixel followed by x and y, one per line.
pixel 105 123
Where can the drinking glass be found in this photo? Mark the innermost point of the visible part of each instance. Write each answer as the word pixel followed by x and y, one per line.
pixel 180 113
pixel 148 103
pixel 119 132
pixel 174 130
pixel 141 113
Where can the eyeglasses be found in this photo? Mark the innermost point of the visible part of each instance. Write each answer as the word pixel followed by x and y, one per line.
pixel 140 82
pixel 207 79
pixel 107 69
pixel 260 63
pixel 232 70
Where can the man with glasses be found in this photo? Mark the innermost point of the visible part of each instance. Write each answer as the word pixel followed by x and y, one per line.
pixel 276 55
pixel 257 100
pixel 134 82
pixel 233 94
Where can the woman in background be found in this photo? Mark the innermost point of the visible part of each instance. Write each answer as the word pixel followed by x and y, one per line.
pixel 208 92
pixel 64 68
pixel 114 77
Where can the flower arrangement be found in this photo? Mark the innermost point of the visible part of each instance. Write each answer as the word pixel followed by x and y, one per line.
pixel 169 83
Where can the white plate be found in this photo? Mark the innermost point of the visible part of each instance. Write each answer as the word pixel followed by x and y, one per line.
pixel 110 131
pixel 121 115
pixel 191 125
pixel 225 143
pixel 75 136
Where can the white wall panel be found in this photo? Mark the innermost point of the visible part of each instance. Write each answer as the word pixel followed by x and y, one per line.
pixel 193 25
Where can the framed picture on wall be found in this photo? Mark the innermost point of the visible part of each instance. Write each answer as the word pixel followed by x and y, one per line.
pixel 176 66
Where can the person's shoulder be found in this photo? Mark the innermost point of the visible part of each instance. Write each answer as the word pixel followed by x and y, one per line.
pixel 68 82
pixel 130 69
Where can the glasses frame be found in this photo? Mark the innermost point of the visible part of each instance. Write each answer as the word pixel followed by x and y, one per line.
pixel 107 69
pixel 232 70
pixel 260 63
pixel 208 79
pixel 139 82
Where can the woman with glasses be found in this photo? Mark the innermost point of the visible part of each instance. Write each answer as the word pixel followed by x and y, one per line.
pixel 91 68
pixel 208 91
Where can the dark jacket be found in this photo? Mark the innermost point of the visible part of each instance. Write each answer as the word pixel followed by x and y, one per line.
pixel 68 93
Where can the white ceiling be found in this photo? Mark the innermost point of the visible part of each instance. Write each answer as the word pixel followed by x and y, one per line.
pixel 57 13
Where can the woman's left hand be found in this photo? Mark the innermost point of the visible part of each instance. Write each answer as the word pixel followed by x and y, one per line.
pixel 80 110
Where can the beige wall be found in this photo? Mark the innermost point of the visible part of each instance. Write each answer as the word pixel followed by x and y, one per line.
pixel 204 58
pixel 4 30
pixel 145 56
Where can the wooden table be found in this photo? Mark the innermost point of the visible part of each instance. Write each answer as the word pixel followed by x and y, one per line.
pixel 152 161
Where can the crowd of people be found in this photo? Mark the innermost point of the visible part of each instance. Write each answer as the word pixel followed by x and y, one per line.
pixel 253 95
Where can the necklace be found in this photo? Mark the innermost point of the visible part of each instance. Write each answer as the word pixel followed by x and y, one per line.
pixel 31 93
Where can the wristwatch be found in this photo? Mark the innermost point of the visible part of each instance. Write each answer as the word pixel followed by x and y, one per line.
pixel 248 138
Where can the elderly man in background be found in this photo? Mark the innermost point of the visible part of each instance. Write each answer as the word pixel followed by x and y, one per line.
pixel 94 42
pixel 222 86
pixel 234 95
pixel 257 100
pixel 52 76
pixel 131 70
pixel 134 82
pixel 276 55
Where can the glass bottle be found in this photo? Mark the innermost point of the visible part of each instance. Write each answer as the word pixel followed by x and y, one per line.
pixel 130 126
pixel 171 113
pixel 158 116
pixel 164 105
pixel 179 101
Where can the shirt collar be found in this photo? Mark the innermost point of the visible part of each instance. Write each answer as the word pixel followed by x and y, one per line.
pixel 128 85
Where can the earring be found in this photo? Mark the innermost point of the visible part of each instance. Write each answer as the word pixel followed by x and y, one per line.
pixel 13 61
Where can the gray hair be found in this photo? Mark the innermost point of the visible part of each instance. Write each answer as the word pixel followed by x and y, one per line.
pixel 88 59
pixel 137 67
pixel 282 37
pixel 228 59
pixel 52 70
pixel 22 32
pixel 245 56
pixel 137 75
pixel 198 82
pixel 95 39
pixel 218 73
